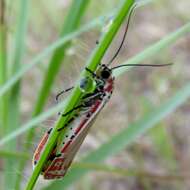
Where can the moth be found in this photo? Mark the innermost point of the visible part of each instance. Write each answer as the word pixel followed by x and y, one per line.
pixel 84 116
pixel 77 127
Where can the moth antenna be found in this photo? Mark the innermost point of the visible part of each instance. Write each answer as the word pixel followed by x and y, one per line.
pixel 139 65
pixel 62 92
pixel 124 36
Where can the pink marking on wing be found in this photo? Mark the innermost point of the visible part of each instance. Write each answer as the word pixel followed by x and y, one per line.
pixel 93 109
pixel 109 86
pixel 49 176
pixel 80 126
pixel 66 146
pixel 56 169
pixel 57 164
pixel 40 147
pixel 54 175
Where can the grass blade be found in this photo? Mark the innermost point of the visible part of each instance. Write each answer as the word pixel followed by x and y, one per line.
pixel 125 137
pixel 14 96
pixel 157 176
pixel 13 155
pixel 162 141
pixel 32 123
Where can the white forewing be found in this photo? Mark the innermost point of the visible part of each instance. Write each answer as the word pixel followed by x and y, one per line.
pixel 71 147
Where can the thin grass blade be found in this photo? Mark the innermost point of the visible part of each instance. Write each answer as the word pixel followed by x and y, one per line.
pixel 3 64
pixel 14 96
pixel 13 155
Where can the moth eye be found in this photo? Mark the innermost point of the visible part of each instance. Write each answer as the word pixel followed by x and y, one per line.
pixel 72 136
pixel 105 74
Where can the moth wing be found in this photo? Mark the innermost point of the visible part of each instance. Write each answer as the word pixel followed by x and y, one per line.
pixel 40 148
pixel 60 165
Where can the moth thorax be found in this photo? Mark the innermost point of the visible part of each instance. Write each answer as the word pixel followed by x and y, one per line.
pixel 87 84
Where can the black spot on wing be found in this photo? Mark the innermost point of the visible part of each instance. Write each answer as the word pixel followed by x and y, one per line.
pixel 72 137
pixel 49 131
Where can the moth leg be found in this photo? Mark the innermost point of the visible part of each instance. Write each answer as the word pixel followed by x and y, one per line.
pixel 85 105
pixel 75 108
pixel 62 92
pixel 68 122
pixel 91 72
pixel 91 99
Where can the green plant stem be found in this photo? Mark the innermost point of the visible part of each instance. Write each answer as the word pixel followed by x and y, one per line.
pixel 76 94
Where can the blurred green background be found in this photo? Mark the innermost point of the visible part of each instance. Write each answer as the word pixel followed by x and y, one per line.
pixel 158 159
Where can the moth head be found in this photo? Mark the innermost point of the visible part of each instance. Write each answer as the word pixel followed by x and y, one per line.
pixel 104 72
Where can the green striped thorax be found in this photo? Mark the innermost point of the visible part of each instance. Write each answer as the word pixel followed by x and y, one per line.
pixel 87 84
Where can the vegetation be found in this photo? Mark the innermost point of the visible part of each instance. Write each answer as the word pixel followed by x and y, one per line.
pixel 147 138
